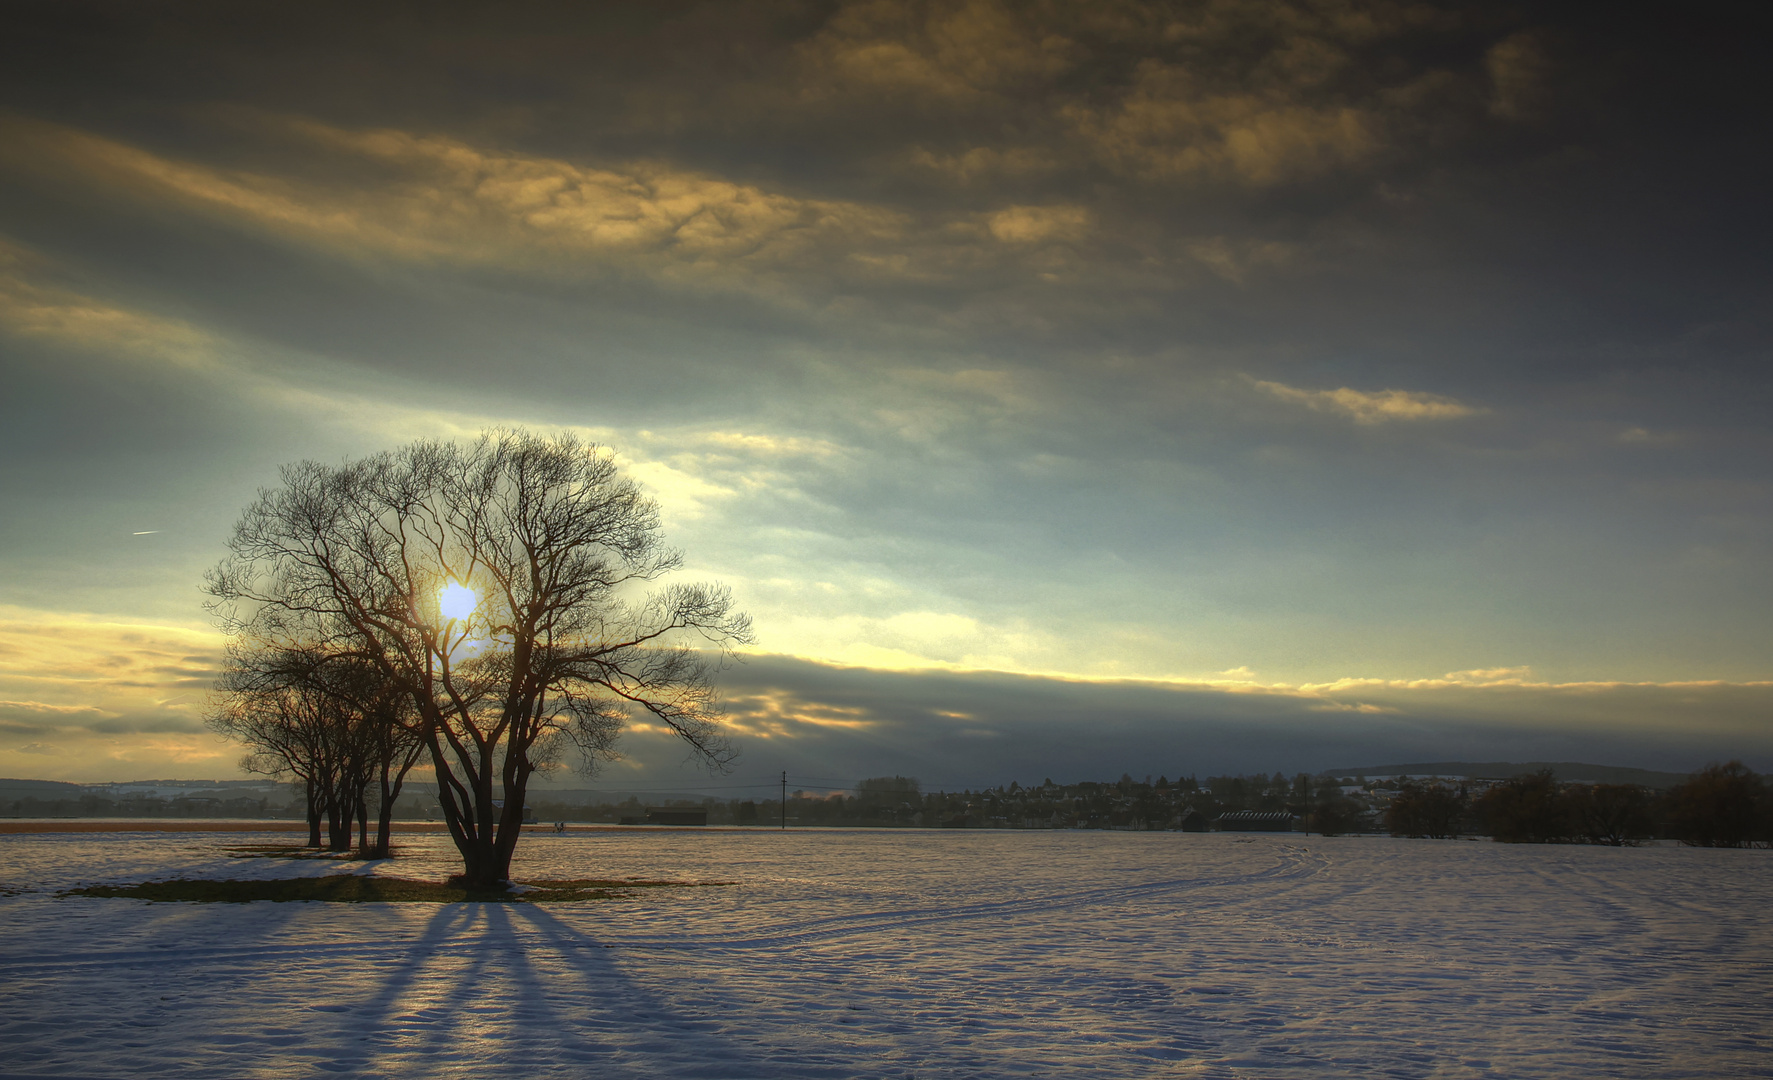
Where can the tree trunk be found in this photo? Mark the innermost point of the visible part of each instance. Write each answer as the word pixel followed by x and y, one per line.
pixel 470 823
pixel 338 824
pixel 392 778
pixel 385 811
pixel 314 815
pixel 481 866
pixel 510 822
pixel 384 827
pixel 485 834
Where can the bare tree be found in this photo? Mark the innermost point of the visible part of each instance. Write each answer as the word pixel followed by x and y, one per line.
pixel 390 741
pixel 331 722
pixel 492 585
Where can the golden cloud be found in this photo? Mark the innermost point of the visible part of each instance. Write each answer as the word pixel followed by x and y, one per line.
pixel 1519 71
pixel 946 53
pixel 30 308
pixel 440 199
pixel 1169 126
pixel 53 661
pixel 448 200
pixel 1037 224
pixel 1361 707
pixel 985 163
pixel 1235 260
pixel 783 714
pixel 97 698
pixel 43 708
pixel 1375 407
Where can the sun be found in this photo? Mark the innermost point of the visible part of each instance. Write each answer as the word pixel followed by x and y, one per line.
pixel 456 601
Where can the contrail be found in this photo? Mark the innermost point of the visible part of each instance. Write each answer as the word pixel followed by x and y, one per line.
pixel 150 532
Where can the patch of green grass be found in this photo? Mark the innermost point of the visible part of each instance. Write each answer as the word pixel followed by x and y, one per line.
pixel 361 889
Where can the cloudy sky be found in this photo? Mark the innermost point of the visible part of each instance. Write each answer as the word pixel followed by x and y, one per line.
pixel 1065 389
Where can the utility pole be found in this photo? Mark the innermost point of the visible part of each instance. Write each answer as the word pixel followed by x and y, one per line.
pixel 784 800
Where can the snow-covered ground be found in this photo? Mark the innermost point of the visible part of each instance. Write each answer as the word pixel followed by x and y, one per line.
pixel 908 954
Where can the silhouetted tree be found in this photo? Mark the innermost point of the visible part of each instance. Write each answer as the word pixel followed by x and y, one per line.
pixel 291 726
pixel 541 541
pixel 887 796
pixel 1721 806
pixel 1615 814
pixel 1526 809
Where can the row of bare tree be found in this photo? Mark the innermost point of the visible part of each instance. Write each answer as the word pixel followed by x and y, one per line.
pixel 1720 806
pixel 333 723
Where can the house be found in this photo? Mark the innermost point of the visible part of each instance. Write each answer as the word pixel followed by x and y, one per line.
pixel 529 816
pixel 1255 821
pixel 675 815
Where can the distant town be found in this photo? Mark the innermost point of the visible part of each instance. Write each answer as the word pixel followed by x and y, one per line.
pixel 1725 805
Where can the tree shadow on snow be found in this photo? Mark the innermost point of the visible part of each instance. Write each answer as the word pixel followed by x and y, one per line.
pixel 472 987
pixel 691 1040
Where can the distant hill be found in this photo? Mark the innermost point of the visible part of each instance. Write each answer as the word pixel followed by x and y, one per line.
pixel 12 788
pixel 39 789
pixel 1499 770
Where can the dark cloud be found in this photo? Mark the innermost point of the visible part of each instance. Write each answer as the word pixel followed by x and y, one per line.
pixel 34 720
pixel 971 728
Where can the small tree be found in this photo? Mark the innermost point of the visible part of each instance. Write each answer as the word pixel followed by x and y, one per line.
pixel 491 586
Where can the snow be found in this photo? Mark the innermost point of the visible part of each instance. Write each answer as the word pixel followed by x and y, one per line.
pixel 906 954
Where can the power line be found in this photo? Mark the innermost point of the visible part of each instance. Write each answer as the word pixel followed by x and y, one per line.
pixel 824 783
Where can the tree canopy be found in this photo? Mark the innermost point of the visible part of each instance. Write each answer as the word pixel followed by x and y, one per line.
pixel 494 586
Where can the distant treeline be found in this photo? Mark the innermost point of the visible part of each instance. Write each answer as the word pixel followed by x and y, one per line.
pixel 1719 806
pixel 900 802
pixel 134 806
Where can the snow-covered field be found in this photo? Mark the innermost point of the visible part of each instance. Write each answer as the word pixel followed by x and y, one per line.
pixel 901 954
